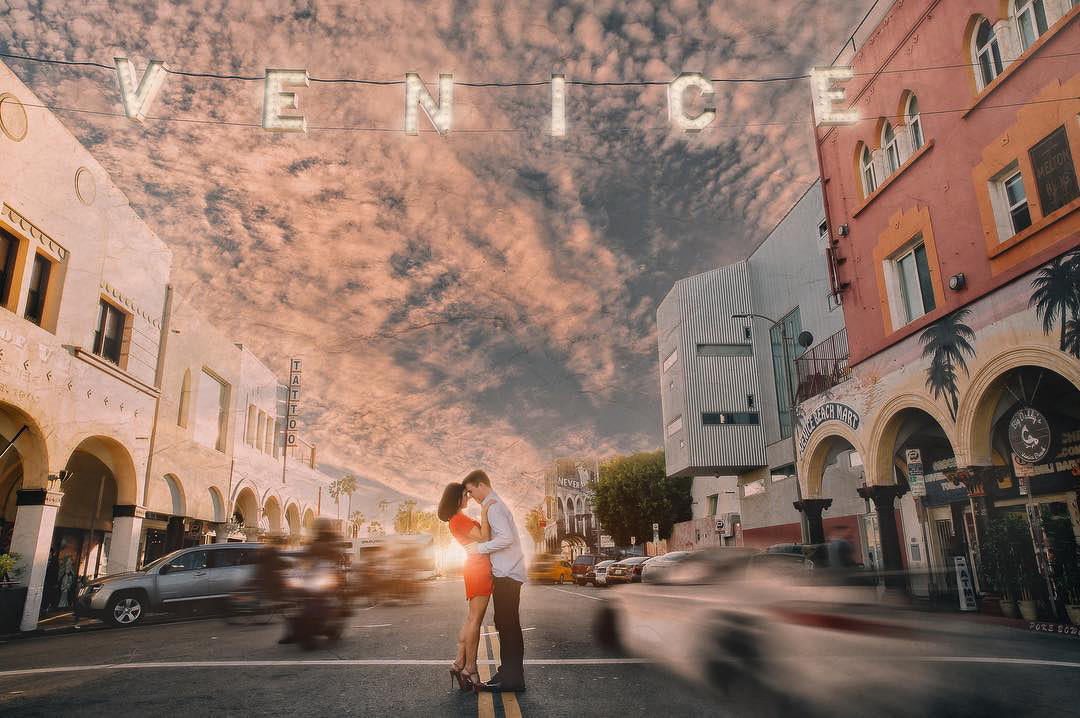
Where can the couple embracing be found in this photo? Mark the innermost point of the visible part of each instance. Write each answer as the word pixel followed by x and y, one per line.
pixel 495 567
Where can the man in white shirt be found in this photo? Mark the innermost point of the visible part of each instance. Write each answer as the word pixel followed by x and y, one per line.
pixel 508 570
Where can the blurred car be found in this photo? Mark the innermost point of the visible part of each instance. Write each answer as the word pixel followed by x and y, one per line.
pixel 597 574
pixel 626 571
pixel 581 566
pixel 550 568
pixel 654 570
pixel 181 579
pixel 774 631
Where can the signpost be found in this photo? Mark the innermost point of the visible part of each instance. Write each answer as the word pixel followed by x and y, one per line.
pixel 606 541
pixel 292 418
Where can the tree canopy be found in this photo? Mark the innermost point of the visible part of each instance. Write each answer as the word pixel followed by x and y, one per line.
pixel 633 492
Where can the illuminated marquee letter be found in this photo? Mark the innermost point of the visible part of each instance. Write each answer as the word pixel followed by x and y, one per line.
pixel 677 107
pixel 825 95
pixel 275 99
pixel 137 100
pixel 558 105
pixel 440 113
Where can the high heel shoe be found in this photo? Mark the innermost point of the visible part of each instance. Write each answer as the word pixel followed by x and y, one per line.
pixel 473 680
pixel 458 675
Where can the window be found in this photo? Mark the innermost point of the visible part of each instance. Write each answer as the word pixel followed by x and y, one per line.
pixel 1016 202
pixel 671 359
pixel 753 488
pixel 783 375
pixel 260 431
pixel 916 289
pixel 228 557
pixel 268 439
pixel 211 411
pixel 869 178
pixel 109 336
pixel 717 418
pixel 890 147
pixel 674 426
pixel 1030 21
pixel 749 401
pixel 823 231
pixel 914 123
pixel 724 350
pixel 9 250
pixel 987 53
pixel 748 333
pixel 712 502
pixel 249 434
pixel 39 287
pixel 277 433
pixel 185 399
pixel 189 561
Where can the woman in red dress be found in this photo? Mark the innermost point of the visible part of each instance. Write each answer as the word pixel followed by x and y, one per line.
pixel 478 582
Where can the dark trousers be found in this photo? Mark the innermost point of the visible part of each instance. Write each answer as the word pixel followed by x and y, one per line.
pixel 508 624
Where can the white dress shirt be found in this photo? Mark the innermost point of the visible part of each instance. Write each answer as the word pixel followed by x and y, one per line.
pixel 504 548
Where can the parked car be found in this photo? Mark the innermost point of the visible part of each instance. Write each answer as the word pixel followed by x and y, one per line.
pixel 597 574
pixel 769 631
pixel 655 569
pixel 626 571
pixel 581 567
pixel 179 580
pixel 550 568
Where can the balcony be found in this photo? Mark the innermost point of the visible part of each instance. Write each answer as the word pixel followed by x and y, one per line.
pixel 823 366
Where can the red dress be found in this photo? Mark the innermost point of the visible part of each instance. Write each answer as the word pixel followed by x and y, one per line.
pixel 478 581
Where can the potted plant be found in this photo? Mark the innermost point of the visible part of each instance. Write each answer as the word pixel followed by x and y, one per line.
pixel 1022 555
pixel 1065 563
pixel 12 594
pixel 997 560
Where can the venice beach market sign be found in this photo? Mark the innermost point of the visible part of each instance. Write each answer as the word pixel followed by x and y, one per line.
pixel 827 412
pixel 279 97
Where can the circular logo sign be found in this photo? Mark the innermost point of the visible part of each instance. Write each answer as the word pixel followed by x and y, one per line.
pixel 1029 435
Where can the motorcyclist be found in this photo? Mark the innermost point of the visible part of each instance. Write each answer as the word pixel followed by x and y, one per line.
pixel 323 553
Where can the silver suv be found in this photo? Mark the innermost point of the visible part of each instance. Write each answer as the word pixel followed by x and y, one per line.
pixel 180 579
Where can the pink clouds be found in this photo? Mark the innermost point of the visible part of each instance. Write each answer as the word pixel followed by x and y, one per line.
pixel 479 299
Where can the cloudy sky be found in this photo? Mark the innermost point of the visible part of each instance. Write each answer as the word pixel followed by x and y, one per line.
pixel 486 298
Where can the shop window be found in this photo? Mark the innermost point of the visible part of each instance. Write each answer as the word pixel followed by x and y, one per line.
pixel 1030 21
pixel 39 288
pixel 109 335
pixel 987 54
pixel 912 292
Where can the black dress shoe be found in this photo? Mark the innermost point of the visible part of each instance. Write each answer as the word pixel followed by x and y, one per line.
pixel 501 686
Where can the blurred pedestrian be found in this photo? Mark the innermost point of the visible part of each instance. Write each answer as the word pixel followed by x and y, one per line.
pixel 52 583
pixel 508 569
pixel 478 581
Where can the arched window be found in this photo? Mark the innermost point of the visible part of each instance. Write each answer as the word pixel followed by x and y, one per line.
pixel 1030 21
pixel 869 178
pixel 987 53
pixel 911 117
pixel 185 399
pixel 891 148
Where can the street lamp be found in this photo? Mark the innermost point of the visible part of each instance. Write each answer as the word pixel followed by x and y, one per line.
pixel 805 339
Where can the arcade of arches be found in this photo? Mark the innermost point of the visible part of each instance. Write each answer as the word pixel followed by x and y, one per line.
pixel 930 486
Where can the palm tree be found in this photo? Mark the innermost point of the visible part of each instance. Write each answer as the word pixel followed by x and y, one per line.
pixel 1057 292
pixel 356 520
pixel 336 490
pixel 375 529
pixel 1072 337
pixel 384 505
pixel 946 342
pixel 348 487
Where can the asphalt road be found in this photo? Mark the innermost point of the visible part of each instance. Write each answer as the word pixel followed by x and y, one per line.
pixel 392 662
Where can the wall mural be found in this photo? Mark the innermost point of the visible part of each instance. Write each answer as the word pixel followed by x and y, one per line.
pixel 1056 295
pixel 945 343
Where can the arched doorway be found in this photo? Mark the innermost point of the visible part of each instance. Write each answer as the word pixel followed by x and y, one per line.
pixel 572 545
pixel 1025 467
pixel 273 515
pixel 832 472
pixel 246 513
pixel 292 521
pixel 166 527
pixel 308 523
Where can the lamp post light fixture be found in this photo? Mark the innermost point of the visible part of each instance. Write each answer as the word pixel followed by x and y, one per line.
pixel 805 340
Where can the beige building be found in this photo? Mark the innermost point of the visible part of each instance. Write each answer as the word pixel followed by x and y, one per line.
pixel 129 425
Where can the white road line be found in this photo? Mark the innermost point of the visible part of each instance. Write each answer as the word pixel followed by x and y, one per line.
pixel 495 633
pixel 337 663
pixel 375 625
pixel 575 593
pixel 991 659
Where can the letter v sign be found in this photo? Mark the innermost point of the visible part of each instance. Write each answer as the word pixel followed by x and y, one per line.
pixel 138 101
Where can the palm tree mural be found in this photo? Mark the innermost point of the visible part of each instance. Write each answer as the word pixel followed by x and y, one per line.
pixel 946 342
pixel 1056 295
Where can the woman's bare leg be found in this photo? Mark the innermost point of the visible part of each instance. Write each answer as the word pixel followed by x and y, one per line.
pixel 477 609
pixel 459 661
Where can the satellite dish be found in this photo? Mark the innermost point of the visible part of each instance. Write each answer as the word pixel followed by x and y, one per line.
pixel 805 339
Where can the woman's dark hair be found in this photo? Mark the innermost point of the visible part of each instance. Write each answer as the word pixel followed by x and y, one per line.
pixel 450 503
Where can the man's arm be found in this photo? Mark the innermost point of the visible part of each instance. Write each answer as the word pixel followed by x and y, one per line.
pixel 501 535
